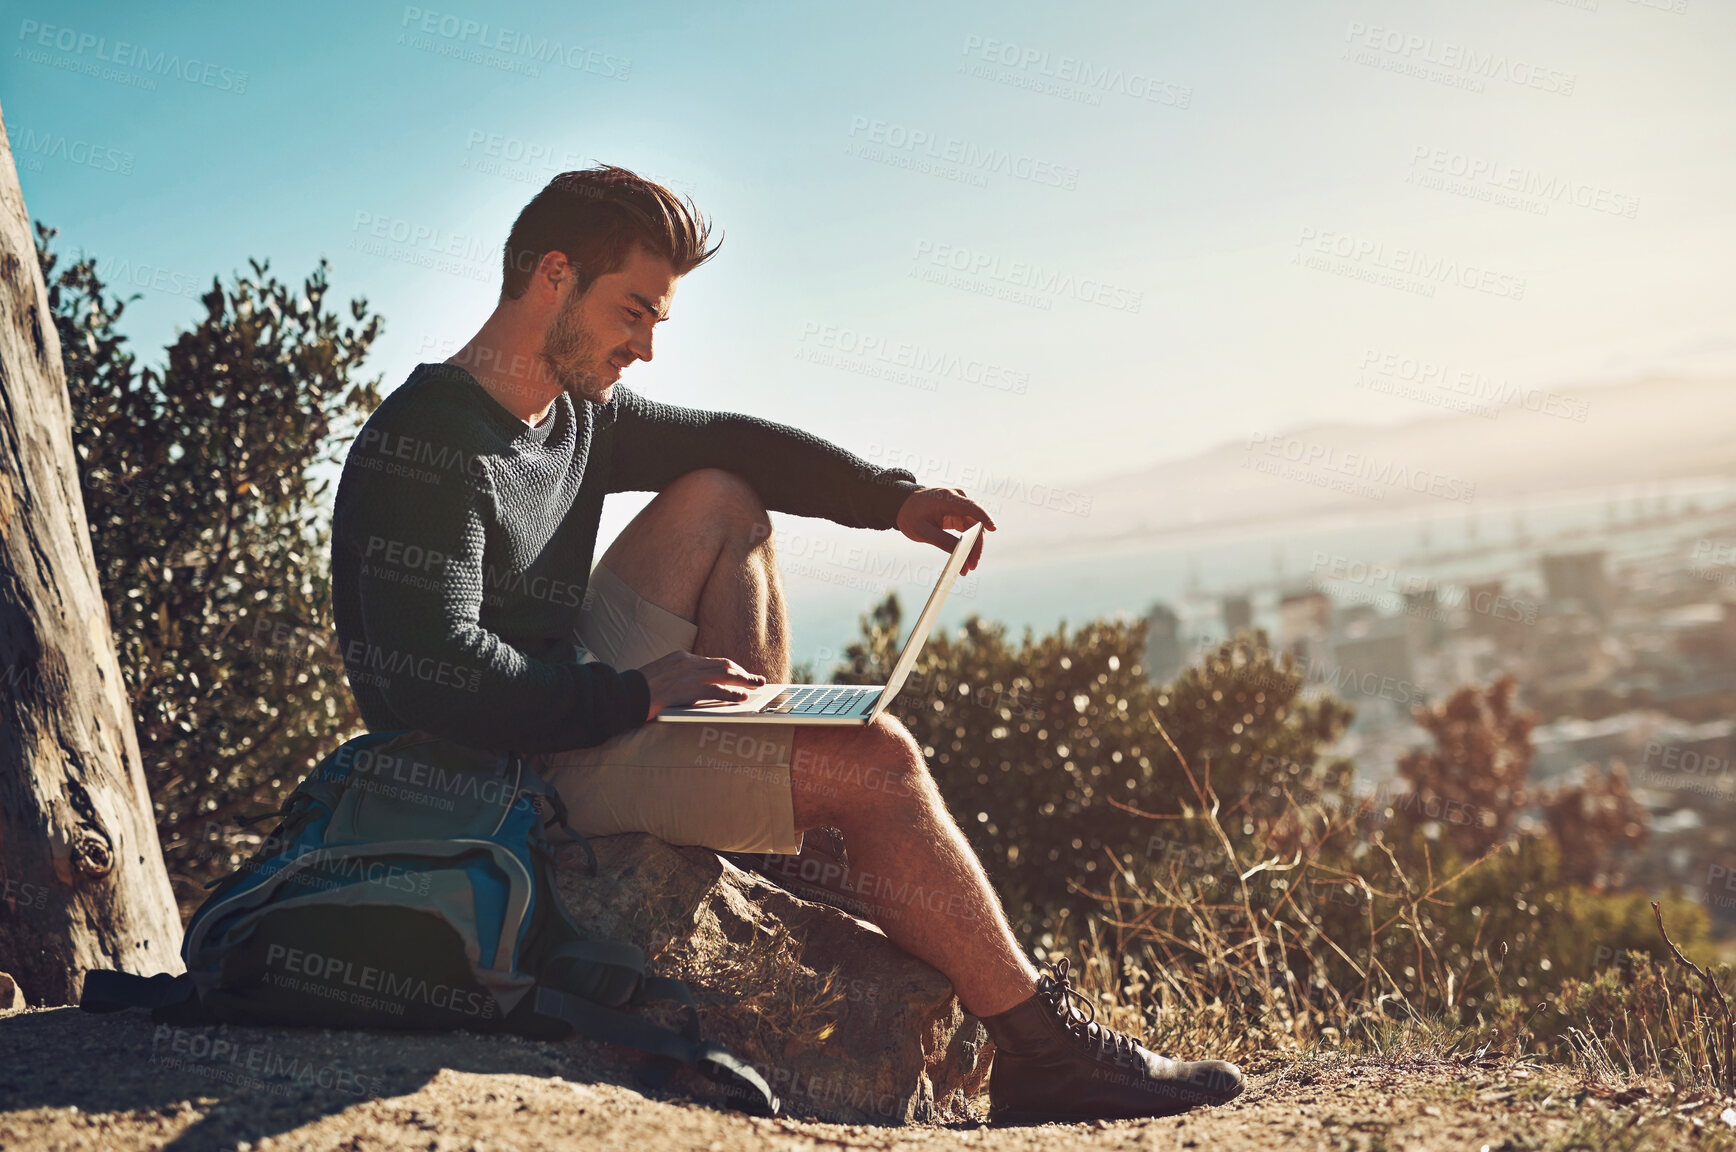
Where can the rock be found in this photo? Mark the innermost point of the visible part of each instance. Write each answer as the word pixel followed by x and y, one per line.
pixel 845 1026
pixel 11 995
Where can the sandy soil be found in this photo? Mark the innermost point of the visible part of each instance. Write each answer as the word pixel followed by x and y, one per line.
pixel 71 1080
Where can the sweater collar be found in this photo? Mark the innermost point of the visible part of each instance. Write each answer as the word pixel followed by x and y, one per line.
pixel 509 424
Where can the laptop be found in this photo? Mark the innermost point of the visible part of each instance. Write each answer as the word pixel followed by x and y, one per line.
pixel 833 703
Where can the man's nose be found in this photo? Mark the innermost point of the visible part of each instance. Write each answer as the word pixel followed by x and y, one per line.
pixel 640 346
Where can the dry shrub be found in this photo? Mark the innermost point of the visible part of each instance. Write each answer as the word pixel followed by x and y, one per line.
pixel 1196 844
pixel 1356 943
pixel 759 1001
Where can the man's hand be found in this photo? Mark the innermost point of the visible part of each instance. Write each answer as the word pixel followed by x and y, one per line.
pixel 681 678
pixel 929 514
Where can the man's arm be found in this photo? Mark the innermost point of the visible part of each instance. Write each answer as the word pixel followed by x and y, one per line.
pixel 791 470
pixel 418 545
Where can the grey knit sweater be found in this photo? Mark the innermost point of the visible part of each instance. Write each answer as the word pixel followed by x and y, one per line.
pixel 462 543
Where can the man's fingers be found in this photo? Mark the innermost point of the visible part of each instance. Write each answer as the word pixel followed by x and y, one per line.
pixel 959 521
pixel 947 543
pixel 932 533
pixel 723 669
pixel 738 672
pixel 976 553
pixel 717 682
pixel 969 512
pixel 934 521
pixel 713 692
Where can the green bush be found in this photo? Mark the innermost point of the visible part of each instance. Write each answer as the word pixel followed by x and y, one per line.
pixel 1042 747
pixel 210 539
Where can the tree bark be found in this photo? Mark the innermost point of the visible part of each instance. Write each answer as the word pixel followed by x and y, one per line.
pixel 82 880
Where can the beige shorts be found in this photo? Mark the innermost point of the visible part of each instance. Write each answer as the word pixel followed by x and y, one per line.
pixel 721 786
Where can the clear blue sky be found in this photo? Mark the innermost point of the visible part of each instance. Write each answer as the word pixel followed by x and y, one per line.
pixel 1195 157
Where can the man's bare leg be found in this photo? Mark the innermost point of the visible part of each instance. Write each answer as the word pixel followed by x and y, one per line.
pixel 702 549
pixel 908 859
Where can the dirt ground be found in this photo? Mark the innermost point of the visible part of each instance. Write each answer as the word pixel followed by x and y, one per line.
pixel 70 1080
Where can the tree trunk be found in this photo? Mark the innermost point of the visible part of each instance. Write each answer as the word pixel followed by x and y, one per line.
pixel 82 881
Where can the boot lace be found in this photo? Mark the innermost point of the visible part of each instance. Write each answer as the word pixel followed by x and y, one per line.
pixel 1118 1046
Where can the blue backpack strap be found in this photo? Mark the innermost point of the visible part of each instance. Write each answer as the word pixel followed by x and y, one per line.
pixel 664 988
pixel 539 788
pixel 742 1085
pixel 582 982
pixel 610 972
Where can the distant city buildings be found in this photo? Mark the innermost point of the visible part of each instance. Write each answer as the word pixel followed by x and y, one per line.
pixel 1628 658
pixel 1305 624
pixel 1165 653
pixel 1238 614
pixel 1578 579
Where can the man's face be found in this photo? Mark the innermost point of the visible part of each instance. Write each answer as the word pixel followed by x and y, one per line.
pixel 594 336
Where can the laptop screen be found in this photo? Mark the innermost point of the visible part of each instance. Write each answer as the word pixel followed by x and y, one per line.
pixel 919 634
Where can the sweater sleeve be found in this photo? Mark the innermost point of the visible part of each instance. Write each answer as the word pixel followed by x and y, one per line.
pixel 418 542
pixel 791 470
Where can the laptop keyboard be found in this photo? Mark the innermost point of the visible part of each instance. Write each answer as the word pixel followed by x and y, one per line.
pixel 819 700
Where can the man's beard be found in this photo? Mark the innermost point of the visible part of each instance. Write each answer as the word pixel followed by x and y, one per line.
pixel 570 354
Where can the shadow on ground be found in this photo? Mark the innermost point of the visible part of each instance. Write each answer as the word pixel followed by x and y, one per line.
pixel 251 1083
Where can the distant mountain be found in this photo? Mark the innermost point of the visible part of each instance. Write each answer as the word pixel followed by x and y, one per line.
pixel 1533 444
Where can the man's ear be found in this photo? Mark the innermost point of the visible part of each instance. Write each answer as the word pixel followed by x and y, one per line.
pixel 554 274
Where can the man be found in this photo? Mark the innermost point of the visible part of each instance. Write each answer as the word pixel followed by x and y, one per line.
pixel 466 606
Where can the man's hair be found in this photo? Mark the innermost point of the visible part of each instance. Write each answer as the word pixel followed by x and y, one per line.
pixel 596 216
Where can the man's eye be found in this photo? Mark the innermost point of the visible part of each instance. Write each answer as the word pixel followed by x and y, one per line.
pixel 633 314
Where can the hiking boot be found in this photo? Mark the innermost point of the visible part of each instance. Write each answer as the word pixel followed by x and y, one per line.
pixel 1056 1064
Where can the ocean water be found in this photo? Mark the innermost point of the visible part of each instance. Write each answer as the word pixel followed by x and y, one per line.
pixel 1190 575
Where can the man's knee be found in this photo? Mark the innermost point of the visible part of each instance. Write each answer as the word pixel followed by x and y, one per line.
pixel 878 765
pixel 722 497
pixel 889 731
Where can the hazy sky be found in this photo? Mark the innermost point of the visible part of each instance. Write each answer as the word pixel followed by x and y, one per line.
pixel 1199 218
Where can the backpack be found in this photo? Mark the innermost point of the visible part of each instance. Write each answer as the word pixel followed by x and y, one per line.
pixel 409 885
